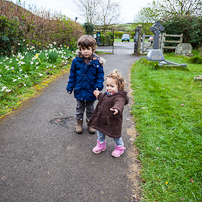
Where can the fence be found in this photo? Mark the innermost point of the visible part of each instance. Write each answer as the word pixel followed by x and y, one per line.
pixel 145 47
pixel 163 41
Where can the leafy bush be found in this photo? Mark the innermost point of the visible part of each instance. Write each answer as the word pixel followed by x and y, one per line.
pixel 11 37
pixel 189 26
pixel 89 27
pixel 40 28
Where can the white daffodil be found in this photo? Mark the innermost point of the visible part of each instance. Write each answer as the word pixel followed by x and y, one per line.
pixel 8 90
pixel 3 89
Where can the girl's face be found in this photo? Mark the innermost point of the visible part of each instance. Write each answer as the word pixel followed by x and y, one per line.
pixel 86 52
pixel 111 86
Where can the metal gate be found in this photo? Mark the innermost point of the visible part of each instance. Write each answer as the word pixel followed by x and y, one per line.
pixel 105 39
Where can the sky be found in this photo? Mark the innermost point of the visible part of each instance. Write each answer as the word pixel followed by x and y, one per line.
pixel 129 8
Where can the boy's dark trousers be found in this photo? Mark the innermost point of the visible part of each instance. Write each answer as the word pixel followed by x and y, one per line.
pixel 81 106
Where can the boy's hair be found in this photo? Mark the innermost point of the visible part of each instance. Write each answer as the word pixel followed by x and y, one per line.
pixel 119 79
pixel 86 41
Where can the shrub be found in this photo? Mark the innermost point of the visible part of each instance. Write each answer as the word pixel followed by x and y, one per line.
pixel 189 26
pixel 39 28
pixel 89 27
pixel 11 37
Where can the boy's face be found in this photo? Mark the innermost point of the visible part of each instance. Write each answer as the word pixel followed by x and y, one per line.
pixel 111 86
pixel 86 52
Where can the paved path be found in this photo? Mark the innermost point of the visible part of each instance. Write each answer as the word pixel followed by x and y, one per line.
pixel 43 159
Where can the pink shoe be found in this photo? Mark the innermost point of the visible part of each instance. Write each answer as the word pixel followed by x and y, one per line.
pixel 119 149
pixel 99 147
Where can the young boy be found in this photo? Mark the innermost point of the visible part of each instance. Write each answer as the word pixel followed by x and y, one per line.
pixel 86 76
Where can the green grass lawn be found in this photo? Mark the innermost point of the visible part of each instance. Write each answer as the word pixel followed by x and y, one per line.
pixel 167 111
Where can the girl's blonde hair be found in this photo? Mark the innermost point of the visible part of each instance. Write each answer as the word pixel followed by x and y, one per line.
pixel 86 41
pixel 119 79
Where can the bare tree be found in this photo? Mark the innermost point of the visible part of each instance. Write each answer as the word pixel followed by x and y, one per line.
pixel 99 12
pixel 109 12
pixel 88 9
pixel 165 9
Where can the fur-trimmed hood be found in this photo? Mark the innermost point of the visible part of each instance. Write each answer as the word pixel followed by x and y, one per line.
pixel 101 59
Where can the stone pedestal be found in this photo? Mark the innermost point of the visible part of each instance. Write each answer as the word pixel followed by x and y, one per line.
pixel 155 55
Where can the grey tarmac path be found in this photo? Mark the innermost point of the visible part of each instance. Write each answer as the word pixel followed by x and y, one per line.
pixel 42 159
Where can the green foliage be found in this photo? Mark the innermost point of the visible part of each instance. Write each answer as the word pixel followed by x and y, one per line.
pixel 11 37
pixel 196 60
pixel 89 27
pixel 24 70
pixel 107 39
pixel 145 27
pixel 189 26
pixel 167 111
pixel 20 27
pixel 53 55
pixel 118 35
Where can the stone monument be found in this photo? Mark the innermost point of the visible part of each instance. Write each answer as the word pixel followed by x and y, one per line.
pixel 183 49
pixel 156 54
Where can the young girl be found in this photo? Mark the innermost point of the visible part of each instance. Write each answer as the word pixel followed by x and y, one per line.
pixel 86 75
pixel 108 115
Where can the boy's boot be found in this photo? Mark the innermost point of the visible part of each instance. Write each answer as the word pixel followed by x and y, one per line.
pixel 119 150
pixel 79 126
pixel 90 129
pixel 99 147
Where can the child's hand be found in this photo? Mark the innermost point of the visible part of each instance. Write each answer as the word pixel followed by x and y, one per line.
pixel 96 93
pixel 116 111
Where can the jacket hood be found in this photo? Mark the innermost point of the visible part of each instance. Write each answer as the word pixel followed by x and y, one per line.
pixel 100 59
pixel 124 94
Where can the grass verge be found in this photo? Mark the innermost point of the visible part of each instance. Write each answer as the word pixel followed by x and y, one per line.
pixel 167 111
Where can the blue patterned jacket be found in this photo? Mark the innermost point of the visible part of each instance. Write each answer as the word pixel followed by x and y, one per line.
pixel 85 78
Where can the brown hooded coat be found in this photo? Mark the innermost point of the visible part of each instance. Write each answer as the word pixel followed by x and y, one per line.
pixel 103 119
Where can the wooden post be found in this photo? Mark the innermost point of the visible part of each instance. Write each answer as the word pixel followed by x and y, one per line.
pixel 143 38
pixel 162 42
pixel 139 38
